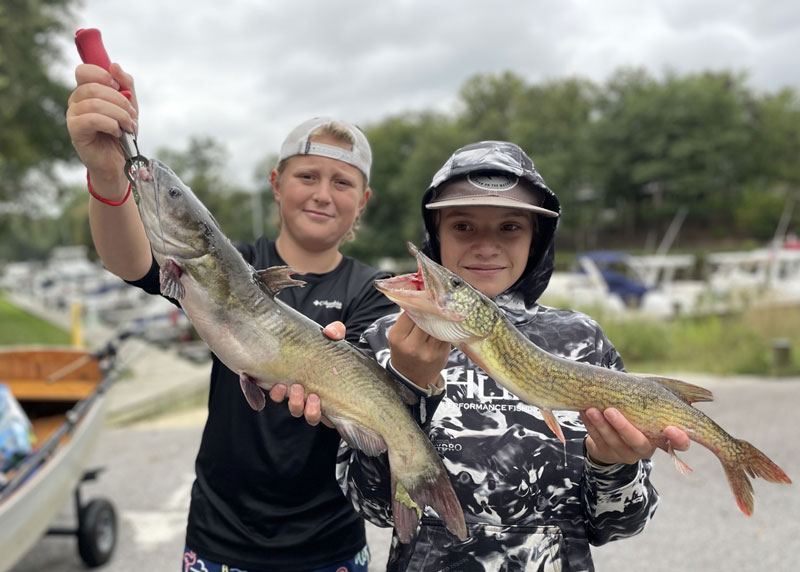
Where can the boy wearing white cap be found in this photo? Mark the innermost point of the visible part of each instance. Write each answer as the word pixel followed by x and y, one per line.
pixel 265 495
pixel 529 503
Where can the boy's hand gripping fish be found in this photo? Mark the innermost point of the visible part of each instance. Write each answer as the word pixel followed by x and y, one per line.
pixel 234 309
pixel 448 308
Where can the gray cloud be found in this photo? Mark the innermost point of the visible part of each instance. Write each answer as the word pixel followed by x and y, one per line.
pixel 245 71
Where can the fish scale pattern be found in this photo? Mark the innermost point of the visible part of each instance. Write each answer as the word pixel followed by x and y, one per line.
pixel 530 502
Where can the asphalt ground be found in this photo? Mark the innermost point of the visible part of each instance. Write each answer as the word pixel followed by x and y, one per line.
pixel 149 471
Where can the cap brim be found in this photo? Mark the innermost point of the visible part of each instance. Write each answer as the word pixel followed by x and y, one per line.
pixel 490 202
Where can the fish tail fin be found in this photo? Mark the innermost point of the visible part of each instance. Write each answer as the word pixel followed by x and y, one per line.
pixel 748 462
pixel 406 512
pixel 411 493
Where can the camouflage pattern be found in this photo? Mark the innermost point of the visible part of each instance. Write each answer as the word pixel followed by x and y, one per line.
pixel 530 503
pixel 525 509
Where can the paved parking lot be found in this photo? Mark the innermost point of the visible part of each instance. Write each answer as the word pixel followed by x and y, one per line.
pixel 697 527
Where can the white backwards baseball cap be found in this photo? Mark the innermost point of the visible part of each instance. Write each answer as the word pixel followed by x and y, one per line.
pixel 298 142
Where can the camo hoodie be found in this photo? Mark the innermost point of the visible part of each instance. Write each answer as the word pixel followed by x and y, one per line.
pixel 530 503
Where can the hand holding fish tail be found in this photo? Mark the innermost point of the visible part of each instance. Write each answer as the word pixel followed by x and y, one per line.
pixel 416 355
pixel 613 439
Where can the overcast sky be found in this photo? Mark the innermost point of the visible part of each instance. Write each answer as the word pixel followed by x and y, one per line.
pixel 246 71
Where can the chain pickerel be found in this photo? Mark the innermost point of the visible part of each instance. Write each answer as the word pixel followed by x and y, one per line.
pixel 448 308
pixel 233 308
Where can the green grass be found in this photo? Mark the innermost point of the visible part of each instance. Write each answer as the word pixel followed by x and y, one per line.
pixel 736 344
pixel 19 327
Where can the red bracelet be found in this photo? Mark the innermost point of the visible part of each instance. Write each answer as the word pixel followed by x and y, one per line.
pixel 104 200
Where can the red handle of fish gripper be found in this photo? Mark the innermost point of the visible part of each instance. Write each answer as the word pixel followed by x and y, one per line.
pixel 91 49
pixel 89 42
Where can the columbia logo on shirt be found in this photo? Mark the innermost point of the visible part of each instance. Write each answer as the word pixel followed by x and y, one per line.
pixel 336 304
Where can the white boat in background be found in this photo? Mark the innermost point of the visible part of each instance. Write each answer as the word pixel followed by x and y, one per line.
pixel 664 286
pixel 623 285
pixel 755 277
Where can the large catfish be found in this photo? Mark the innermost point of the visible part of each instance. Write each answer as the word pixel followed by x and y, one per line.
pixel 233 308
pixel 448 308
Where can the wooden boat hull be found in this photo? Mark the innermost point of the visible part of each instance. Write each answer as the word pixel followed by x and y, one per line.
pixel 68 415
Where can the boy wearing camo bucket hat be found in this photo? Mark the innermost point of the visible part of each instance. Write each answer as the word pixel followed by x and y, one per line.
pixel 529 504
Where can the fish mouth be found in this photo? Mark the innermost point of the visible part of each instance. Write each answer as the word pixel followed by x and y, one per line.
pixel 165 231
pixel 421 291
pixel 406 290
pixel 167 247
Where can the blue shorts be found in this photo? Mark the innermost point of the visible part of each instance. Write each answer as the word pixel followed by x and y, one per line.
pixel 194 563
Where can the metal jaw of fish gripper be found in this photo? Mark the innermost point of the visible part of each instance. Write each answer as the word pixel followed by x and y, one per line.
pixel 133 159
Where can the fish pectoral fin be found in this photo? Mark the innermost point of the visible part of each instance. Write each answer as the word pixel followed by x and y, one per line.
pixel 252 392
pixel 359 437
pixel 276 278
pixel 689 392
pixel 170 280
pixel 552 423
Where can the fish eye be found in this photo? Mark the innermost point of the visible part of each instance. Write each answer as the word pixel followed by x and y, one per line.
pixel 174 192
pixel 455 282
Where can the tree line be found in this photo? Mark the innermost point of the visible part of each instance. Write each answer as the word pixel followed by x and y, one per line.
pixel 625 156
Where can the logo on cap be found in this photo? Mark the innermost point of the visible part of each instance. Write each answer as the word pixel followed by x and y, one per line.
pixel 493 181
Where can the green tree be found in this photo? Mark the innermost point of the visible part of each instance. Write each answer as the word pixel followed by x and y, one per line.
pixel 683 141
pixel 554 124
pixel 265 215
pixel 33 136
pixel 489 105
pixel 202 167
pixel 407 151
pixel 776 139
pixel 26 237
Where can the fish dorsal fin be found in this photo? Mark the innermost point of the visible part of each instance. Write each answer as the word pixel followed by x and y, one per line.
pixel 359 437
pixel 276 278
pixel 690 393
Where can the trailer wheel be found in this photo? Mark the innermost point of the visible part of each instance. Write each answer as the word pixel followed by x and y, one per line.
pixel 97 532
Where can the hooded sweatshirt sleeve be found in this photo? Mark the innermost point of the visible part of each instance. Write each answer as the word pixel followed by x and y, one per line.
pixel 618 499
